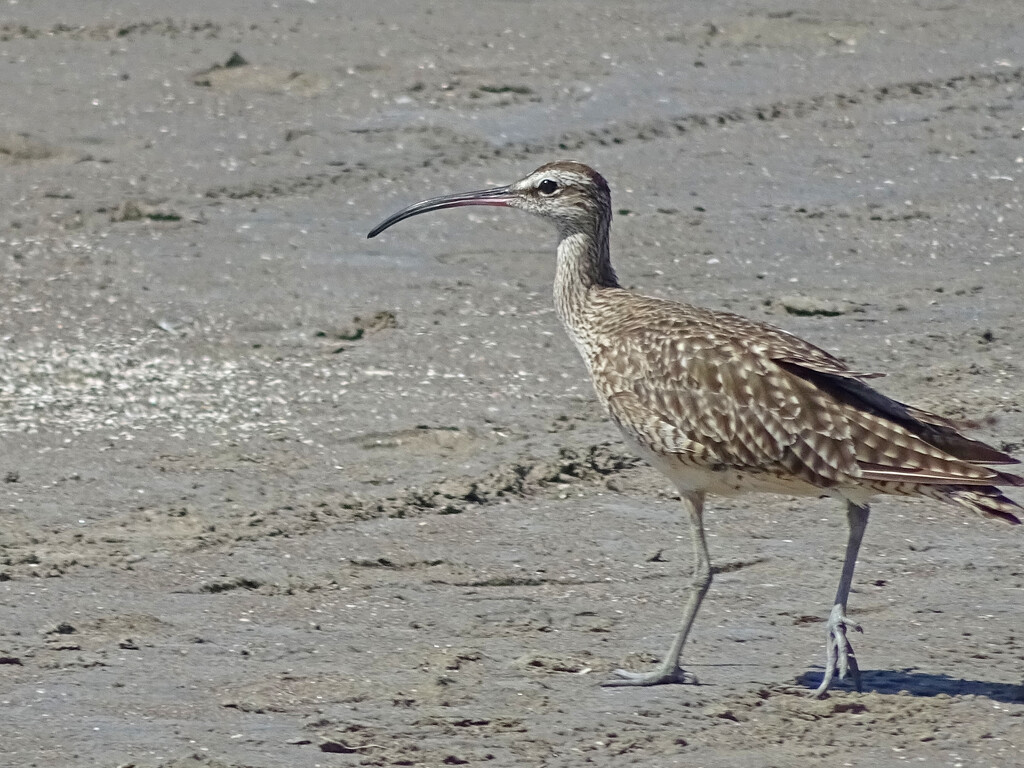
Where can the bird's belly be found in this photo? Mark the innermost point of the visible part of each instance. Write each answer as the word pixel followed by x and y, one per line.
pixel 722 481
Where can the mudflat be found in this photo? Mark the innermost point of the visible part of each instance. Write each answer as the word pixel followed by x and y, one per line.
pixel 276 495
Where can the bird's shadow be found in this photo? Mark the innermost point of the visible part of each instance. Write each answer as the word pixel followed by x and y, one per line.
pixel 923 684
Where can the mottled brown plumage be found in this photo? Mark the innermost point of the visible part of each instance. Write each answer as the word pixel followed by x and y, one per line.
pixel 724 405
pixel 754 408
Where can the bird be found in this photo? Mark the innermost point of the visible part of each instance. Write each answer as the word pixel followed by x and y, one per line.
pixel 723 405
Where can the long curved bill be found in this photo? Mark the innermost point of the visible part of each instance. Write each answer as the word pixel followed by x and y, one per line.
pixel 501 196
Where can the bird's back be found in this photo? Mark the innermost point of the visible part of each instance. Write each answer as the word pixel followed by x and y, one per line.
pixel 726 405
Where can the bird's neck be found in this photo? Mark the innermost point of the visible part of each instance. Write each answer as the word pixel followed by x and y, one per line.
pixel 584 266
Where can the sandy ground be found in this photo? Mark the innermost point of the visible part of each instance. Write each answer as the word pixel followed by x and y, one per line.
pixel 276 495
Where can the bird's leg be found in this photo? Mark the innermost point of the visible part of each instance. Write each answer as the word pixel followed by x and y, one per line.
pixel 669 671
pixel 839 653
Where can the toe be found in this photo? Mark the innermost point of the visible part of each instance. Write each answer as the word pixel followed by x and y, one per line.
pixel 624 677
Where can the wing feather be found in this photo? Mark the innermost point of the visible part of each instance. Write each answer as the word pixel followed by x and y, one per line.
pixel 719 390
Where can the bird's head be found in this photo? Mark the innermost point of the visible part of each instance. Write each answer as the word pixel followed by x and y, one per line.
pixel 571 195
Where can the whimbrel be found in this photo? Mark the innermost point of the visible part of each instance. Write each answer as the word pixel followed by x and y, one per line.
pixel 725 405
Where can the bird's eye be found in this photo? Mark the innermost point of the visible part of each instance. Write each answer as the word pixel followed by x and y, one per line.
pixel 548 187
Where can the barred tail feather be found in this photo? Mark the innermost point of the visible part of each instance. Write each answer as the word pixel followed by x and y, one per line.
pixel 987 501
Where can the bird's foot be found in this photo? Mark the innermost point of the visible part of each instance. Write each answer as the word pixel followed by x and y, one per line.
pixel 664 675
pixel 839 653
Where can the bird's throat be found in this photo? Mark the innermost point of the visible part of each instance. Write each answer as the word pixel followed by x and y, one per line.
pixel 583 264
